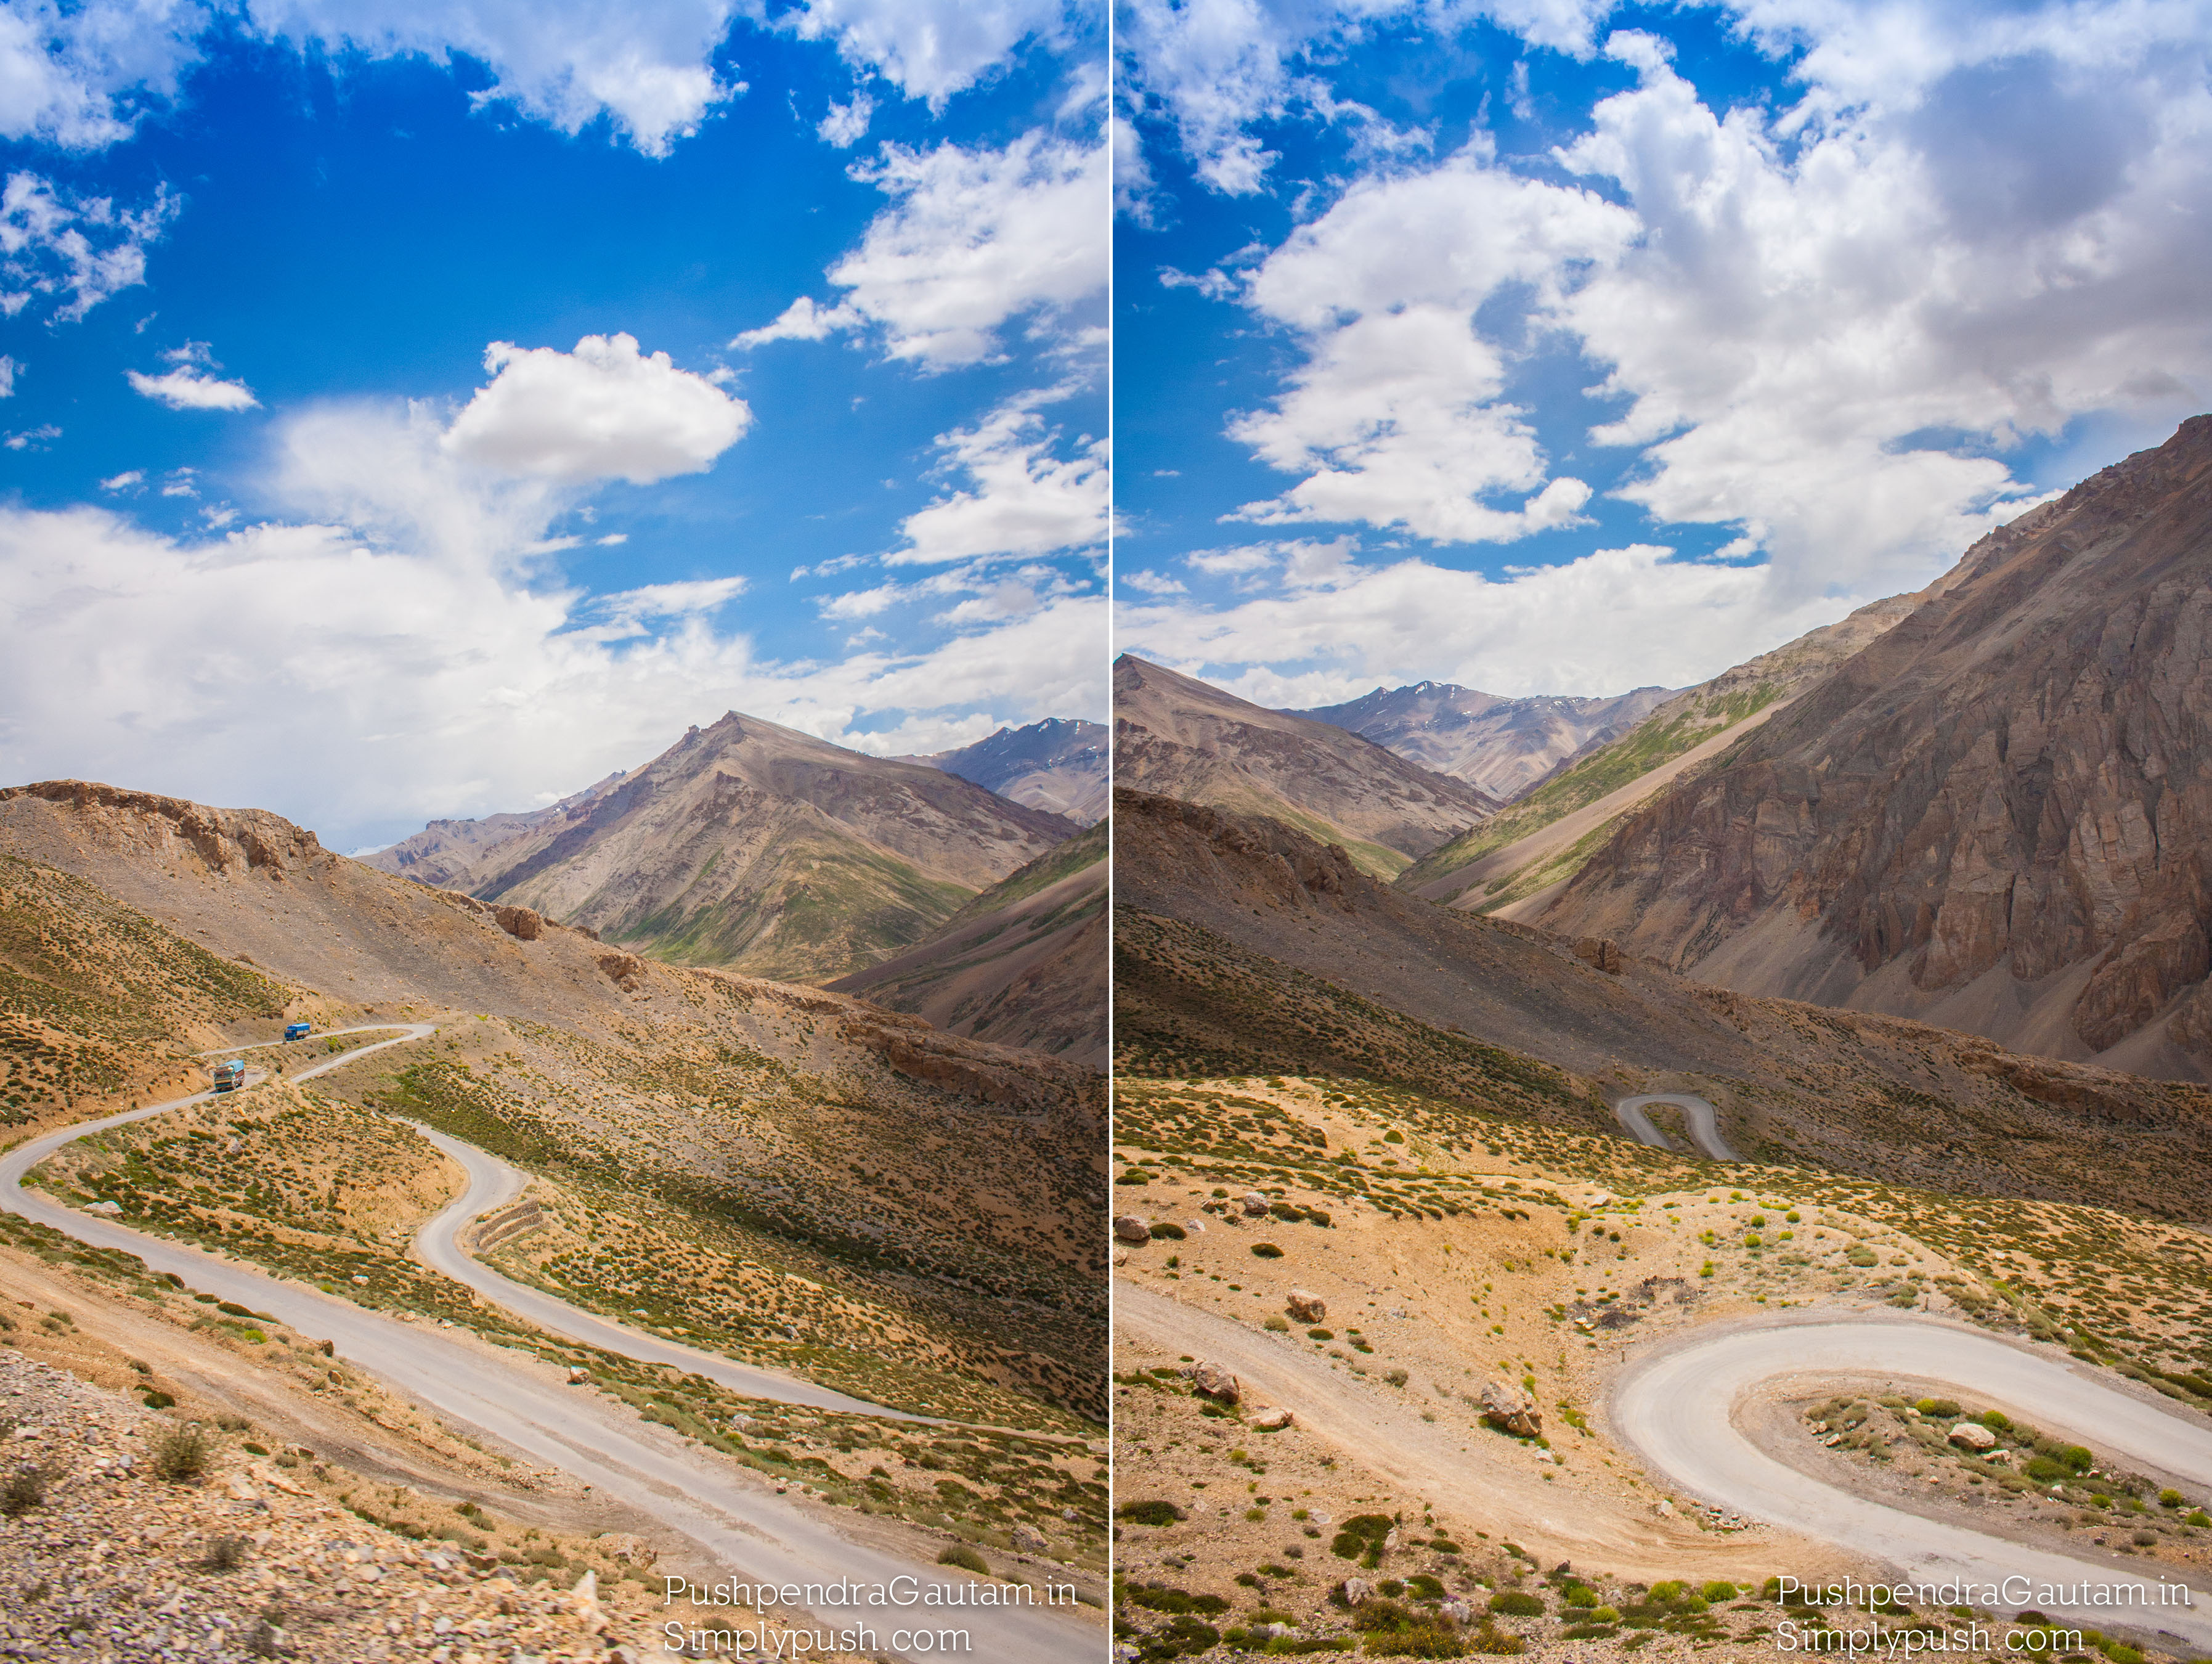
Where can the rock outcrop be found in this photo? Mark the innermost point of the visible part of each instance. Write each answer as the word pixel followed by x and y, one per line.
pixel 1998 816
pixel 1508 1409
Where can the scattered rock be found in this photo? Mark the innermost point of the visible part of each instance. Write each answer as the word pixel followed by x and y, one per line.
pixel 1358 1591
pixel 631 1550
pixel 109 1208
pixel 1507 1407
pixel 1663 1509
pixel 1028 1540
pixel 1600 955
pixel 1307 1307
pixel 1459 1611
pixel 522 923
pixel 1973 1435
pixel 1215 1382
pixel 1255 1204
pixel 1271 1421
pixel 1130 1228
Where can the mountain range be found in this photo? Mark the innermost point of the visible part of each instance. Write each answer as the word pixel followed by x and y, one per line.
pixel 1180 737
pixel 1504 747
pixel 750 846
pixel 1058 765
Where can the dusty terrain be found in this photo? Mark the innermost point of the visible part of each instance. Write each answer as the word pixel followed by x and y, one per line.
pixel 1462 1250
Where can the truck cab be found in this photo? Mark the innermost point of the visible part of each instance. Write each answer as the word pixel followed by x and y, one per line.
pixel 229 1076
pixel 298 1031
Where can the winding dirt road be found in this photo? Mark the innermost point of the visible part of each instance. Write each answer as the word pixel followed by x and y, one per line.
pixel 1679 1409
pixel 1703 1118
pixel 742 1525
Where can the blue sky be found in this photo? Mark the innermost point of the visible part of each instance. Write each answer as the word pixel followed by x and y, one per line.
pixel 1556 346
pixel 412 418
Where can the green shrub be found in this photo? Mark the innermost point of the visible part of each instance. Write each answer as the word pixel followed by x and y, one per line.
pixel 224 1554
pixel 1996 1420
pixel 1266 1251
pixel 1163 1231
pixel 1153 1511
pixel 1517 1603
pixel 181 1454
pixel 1277 1326
pixel 24 1489
pixel 1937 1406
pixel 966 1558
pixel 1720 1591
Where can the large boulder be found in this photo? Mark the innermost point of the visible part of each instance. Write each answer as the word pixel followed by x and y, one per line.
pixel 1973 1435
pixel 1271 1421
pixel 1028 1539
pixel 522 923
pixel 1506 1406
pixel 1358 1591
pixel 1253 1203
pixel 1215 1382
pixel 1131 1228
pixel 1307 1307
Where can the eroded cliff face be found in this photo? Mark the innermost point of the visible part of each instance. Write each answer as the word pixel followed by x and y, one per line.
pixel 1997 814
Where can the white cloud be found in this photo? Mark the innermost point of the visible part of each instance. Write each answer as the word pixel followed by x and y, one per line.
pixel 602 412
pixel 845 123
pixel 1223 563
pixel 33 439
pixel 647 66
pixel 124 481
pixel 1023 499
pixel 184 389
pixel 1395 418
pixel 76 251
pixel 973 240
pixel 928 49
pixel 1215 69
pixel 77 76
pixel 1153 583
pixel 408 631
pixel 10 369
pixel 1613 619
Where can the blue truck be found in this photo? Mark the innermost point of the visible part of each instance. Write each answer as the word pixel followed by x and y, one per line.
pixel 297 1031
pixel 229 1076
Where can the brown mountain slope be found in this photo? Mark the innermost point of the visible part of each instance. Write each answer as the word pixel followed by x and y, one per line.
pixel 1178 736
pixel 757 1150
pixel 443 853
pixel 1243 947
pixel 1022 964
pixel 1544 839
pixel 1997 816
pixel 765 850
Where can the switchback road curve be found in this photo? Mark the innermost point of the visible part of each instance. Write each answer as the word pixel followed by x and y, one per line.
pixel 1702 1119
pixel 1678 1409
pixel 742 1527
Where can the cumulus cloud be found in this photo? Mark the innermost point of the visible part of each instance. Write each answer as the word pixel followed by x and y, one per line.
pixel 603 412
pixel 1395 417
pixel 928 49
pixel 1021 498
pixel 1611 621
pixel 71 251
pixel 399 617
pixel 973 239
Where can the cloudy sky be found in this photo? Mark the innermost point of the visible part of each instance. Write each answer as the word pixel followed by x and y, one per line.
pixel 1555 346
pixel 413 409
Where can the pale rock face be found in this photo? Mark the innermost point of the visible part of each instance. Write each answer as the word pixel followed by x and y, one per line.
pixel 1271 1421
pixel 1028 1540
pixel 1131 1228
pixel 1358 1591
pixel 1215 1382
pixel 1253 1203
pixel 1973 1435
pixel 2016 780
pixel 1507 1406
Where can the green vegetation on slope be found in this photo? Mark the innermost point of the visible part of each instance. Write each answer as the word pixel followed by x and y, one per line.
pixel 815 907
pixel 1061 861
pixel 1680 725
